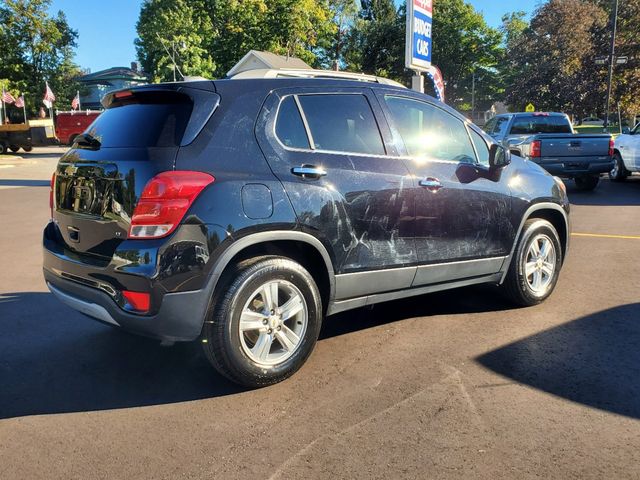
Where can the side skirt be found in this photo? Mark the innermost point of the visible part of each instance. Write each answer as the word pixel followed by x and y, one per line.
pixel 341 306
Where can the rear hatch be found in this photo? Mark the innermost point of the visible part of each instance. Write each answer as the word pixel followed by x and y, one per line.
pixel 99 180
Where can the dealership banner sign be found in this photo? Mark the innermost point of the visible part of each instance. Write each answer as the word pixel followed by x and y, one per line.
pixel 418 41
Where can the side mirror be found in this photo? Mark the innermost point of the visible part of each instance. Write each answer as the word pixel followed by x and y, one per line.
pixel 499 156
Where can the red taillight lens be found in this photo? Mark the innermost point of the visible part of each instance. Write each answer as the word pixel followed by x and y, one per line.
pixel 535 150
pixel 612 145
pixel 51 188
pixel 164 202
pixel 137 301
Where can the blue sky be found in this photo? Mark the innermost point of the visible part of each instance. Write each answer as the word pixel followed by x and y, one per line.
pixel 107 29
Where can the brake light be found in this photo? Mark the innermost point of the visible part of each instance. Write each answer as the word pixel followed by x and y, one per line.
pixel 51 188
pixel 137 301
pixel 123 94
pixel 164 202
pixel 612 145
pixel 535 150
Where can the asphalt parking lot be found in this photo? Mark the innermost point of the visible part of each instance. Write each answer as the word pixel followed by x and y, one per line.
pixel 452 385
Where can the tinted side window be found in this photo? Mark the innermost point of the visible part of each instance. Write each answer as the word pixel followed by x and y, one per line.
pixel 490 125
pixel 481 147
pixel 342 123
pixel 428 131
pixel 501 125
pixel 289 126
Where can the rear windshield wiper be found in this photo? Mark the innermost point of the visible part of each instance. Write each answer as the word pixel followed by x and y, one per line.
pixel 88 141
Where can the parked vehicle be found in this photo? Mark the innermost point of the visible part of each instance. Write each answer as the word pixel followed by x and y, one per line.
pixel 626 155
pixel 71 124
pixel 247 210
pixel 594 121
pixel 549 140
pixel 34 133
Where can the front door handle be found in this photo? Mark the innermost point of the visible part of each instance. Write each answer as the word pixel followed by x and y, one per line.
pixel 309 171
pixel 432 184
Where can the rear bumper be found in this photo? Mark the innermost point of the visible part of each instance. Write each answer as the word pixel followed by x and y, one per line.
pixel 572 168
pixel 180 317
pixel 176 279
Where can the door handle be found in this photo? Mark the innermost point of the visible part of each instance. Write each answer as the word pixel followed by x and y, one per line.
pixel 309 171
pixel 432 184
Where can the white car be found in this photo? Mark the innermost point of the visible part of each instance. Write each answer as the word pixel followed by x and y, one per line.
pixel 592 121
pixel 626 155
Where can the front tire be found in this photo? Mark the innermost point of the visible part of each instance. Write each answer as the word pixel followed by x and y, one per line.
pixel 536 264
pixel 619 173
pixel 264 323
pixel 587 183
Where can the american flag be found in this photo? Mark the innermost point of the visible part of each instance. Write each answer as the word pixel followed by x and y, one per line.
pixel 49 97
pixel 7 97
pixel 20 101
pixel 75 103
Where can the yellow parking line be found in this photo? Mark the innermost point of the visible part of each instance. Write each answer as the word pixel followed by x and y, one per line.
pixel 602 235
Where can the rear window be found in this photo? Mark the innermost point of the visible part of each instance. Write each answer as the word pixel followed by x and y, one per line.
pixel 145 120
pixel 533 124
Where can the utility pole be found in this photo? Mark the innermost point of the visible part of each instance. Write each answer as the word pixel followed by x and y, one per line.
pixel 612 59
pixel 473 95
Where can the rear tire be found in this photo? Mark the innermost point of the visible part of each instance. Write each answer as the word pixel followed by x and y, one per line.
pixel 587 183
pixel 619 173
pixel 253 338
pixel 3 148
pixel 14 148
pixel 534 270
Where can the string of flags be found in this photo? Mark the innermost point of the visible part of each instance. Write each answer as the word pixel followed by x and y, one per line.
pixel 48 99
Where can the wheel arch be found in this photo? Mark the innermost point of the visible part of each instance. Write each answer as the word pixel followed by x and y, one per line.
pixel 554 214
pixel 301 247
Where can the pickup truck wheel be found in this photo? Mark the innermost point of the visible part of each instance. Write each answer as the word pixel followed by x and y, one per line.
pixel 264 323
pixel 535 265
pixel 14 148
pixel 3 148
pixel 27 149
pixel 588 182
pixel 619 172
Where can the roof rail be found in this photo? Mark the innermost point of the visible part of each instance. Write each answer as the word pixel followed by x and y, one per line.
pixel 313 73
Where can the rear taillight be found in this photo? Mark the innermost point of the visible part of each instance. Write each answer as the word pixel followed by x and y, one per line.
pixel 612 145
pixel 52 186
pixel 164 202
pixel 535 150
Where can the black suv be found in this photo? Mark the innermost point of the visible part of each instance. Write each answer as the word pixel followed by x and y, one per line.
pixel 241 212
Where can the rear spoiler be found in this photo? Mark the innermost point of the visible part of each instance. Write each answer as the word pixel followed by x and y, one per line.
pixel 202 94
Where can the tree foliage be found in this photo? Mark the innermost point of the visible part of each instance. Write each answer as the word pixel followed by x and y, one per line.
pixel 214 34
pixel 37 47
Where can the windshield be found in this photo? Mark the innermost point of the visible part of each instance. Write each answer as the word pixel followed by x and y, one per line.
pixel 532 124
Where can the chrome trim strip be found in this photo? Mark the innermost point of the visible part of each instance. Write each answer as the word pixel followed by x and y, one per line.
pixel 92 310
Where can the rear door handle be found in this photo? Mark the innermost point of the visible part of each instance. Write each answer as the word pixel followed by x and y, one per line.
pixel 309 171
pixel 431 183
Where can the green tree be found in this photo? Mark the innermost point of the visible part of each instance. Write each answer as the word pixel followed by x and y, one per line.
pixel 222 31
pixel 37 47
pixel 554 59
pixel 168 26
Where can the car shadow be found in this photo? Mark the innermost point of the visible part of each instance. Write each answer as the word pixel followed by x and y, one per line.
pixel 6 182
pixel 607 193
pixel 593 360
pixel 55 360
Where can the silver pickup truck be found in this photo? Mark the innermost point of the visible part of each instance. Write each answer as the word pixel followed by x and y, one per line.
pixel 549 140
